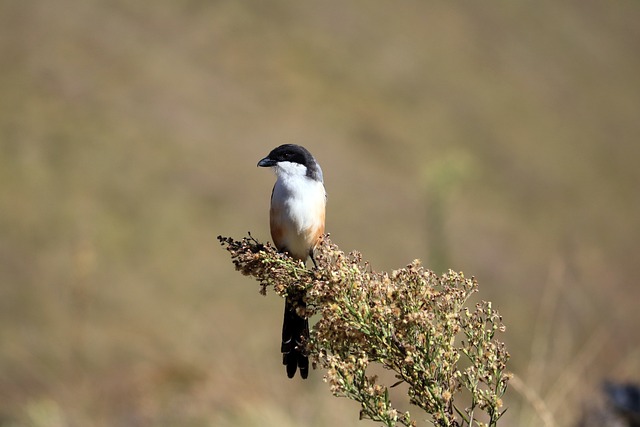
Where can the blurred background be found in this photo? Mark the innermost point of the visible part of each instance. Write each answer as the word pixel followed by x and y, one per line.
pixel 499 139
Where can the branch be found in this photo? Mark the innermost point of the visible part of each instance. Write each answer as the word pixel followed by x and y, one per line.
pixel 410 321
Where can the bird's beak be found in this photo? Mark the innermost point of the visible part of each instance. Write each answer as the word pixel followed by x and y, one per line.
pixel 266 162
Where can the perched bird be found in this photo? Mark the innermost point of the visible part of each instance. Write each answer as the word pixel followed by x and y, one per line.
pixel 297 221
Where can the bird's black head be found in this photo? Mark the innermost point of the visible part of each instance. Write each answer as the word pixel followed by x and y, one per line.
pixel 293 153
pixel 287 153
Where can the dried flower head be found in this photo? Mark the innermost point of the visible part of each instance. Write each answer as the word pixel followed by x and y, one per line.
pixel 412 322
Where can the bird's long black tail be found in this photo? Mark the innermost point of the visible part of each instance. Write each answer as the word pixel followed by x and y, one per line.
pixel 295 332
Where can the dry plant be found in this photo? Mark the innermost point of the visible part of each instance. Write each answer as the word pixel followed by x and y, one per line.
pixel 412 322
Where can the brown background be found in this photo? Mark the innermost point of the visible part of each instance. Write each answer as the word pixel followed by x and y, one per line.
pixel 496 138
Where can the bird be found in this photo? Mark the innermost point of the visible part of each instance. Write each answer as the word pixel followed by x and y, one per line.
pixel 297 222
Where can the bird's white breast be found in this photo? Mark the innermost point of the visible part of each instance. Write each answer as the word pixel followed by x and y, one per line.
pixel 298 202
